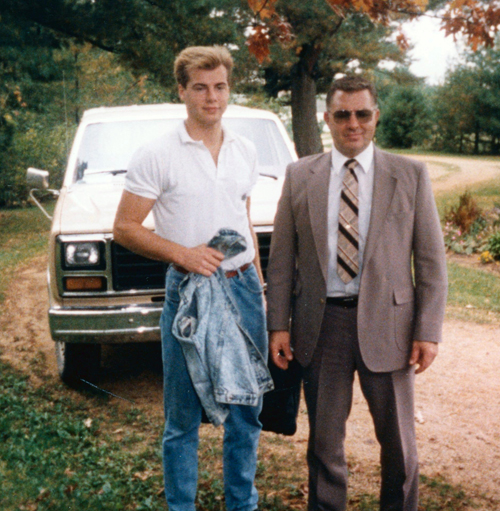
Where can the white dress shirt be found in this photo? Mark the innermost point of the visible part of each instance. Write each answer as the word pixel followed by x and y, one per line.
pixel 364 171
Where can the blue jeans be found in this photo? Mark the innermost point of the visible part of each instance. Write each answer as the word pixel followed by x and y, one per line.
pixel 183 409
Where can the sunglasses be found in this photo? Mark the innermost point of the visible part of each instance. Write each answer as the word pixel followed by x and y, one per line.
pixel 342 116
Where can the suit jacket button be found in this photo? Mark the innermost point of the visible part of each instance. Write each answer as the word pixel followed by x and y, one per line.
pixel 321 300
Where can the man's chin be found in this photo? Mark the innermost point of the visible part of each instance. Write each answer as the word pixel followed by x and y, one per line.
pixel 209 120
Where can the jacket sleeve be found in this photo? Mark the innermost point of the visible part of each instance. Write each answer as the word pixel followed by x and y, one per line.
pixel 282 260
pixel 431 283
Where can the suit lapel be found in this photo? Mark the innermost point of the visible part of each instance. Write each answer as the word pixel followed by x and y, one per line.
pixel 384 184
pixel 317 199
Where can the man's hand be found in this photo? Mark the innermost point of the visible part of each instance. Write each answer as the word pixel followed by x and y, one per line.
pixel 202 259
pixel 279 346
pixel 423 354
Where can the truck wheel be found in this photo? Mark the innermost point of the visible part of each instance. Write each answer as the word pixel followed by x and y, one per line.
pixel 77 361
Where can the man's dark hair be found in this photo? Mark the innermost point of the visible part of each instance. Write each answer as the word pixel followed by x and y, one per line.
pixel 351 84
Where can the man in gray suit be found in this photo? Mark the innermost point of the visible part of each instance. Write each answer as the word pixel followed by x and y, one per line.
pixel 358 265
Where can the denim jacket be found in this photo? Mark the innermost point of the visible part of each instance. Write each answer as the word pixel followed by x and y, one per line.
pixel 224 364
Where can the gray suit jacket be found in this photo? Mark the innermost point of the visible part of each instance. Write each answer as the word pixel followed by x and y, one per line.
pixel 403 286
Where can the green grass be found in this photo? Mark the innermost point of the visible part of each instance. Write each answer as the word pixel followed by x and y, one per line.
pixel 426 152
pixel 473 294
pixel 486 195
pixel 23 235
pixel 58 454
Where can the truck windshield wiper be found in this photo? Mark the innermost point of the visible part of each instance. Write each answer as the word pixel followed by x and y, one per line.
pixel 272 176
pixel 114 172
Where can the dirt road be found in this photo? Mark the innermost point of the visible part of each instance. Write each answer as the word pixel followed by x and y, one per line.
pixel 457 400
pixel 458 173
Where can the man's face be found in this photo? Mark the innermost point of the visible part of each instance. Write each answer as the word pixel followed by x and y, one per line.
pixel 353 134
pixel 206 95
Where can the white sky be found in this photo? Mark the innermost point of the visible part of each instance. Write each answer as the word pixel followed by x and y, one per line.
pixel 433 53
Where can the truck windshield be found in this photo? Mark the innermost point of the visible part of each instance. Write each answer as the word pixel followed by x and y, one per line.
pixel 108 146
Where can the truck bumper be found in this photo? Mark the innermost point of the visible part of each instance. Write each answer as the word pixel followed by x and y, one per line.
pixel 108 325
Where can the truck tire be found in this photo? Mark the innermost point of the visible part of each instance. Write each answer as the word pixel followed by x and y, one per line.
pixel 77 361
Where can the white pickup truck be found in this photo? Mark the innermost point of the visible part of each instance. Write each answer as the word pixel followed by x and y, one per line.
pixel 100 292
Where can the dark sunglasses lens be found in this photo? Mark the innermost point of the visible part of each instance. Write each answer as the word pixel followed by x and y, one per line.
pixel 364 115
pixel 341 115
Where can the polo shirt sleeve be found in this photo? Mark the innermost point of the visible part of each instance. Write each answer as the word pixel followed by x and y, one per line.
pixel 145 174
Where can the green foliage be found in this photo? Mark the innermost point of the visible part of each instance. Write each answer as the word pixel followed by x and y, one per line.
pixel 468 229
pixel 42 96
pixel 467 106
pixel 55 455
pixel 460 242
pixel 438 495
pixel 453 106
pixel 493 245
pixel 405 118
pixel 38 145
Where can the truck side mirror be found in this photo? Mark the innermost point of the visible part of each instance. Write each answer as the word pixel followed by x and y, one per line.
pixel 37 178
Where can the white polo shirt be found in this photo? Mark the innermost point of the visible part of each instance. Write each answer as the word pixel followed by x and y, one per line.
pixel 194 196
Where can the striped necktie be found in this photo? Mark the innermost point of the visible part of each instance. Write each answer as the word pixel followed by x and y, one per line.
pixel 348 234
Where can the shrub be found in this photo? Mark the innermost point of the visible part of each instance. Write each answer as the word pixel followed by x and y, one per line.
pixel 470 230
pixel 39 145
pixel 494 245
pixel 466 215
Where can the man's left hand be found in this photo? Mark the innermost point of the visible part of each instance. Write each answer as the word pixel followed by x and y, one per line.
pixel 423 354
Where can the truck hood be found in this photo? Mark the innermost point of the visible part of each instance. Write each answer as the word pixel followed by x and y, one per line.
pixel 264 201
pixel 91 207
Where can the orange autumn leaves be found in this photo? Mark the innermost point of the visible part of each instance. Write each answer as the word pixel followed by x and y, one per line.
pixel 268 26
pixel 477 20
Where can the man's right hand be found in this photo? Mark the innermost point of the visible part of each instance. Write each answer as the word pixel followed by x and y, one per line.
pixel 202 259
pixel 279 347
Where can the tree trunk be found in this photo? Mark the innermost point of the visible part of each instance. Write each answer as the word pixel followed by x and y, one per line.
pixel 476 140
pixel 304 123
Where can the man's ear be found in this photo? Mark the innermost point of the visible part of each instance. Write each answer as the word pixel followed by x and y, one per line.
pixel 181 90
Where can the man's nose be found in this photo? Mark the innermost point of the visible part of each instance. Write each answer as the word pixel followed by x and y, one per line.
pixel 211 94
pixel 353 122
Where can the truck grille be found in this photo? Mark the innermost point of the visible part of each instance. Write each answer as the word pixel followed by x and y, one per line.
pixel 132 271
pixel 264 248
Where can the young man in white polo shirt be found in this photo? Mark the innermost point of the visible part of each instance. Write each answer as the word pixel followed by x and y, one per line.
pixel 197 180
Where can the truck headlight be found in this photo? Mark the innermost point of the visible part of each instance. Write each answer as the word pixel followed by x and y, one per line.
pixel 82 254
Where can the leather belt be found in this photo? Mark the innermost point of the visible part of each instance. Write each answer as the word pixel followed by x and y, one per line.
pixel 229 274
pixel 348 302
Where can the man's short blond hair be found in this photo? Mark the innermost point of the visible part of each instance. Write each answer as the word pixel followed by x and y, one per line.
pixel 201 57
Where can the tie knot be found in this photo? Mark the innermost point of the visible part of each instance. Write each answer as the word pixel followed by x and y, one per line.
pixel 351 164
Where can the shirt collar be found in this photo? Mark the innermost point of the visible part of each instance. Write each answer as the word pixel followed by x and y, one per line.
pixel 186 139
pixel 364 159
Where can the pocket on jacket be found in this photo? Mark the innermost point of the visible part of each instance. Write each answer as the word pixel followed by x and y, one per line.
pixel 404 295
pixel 404 310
